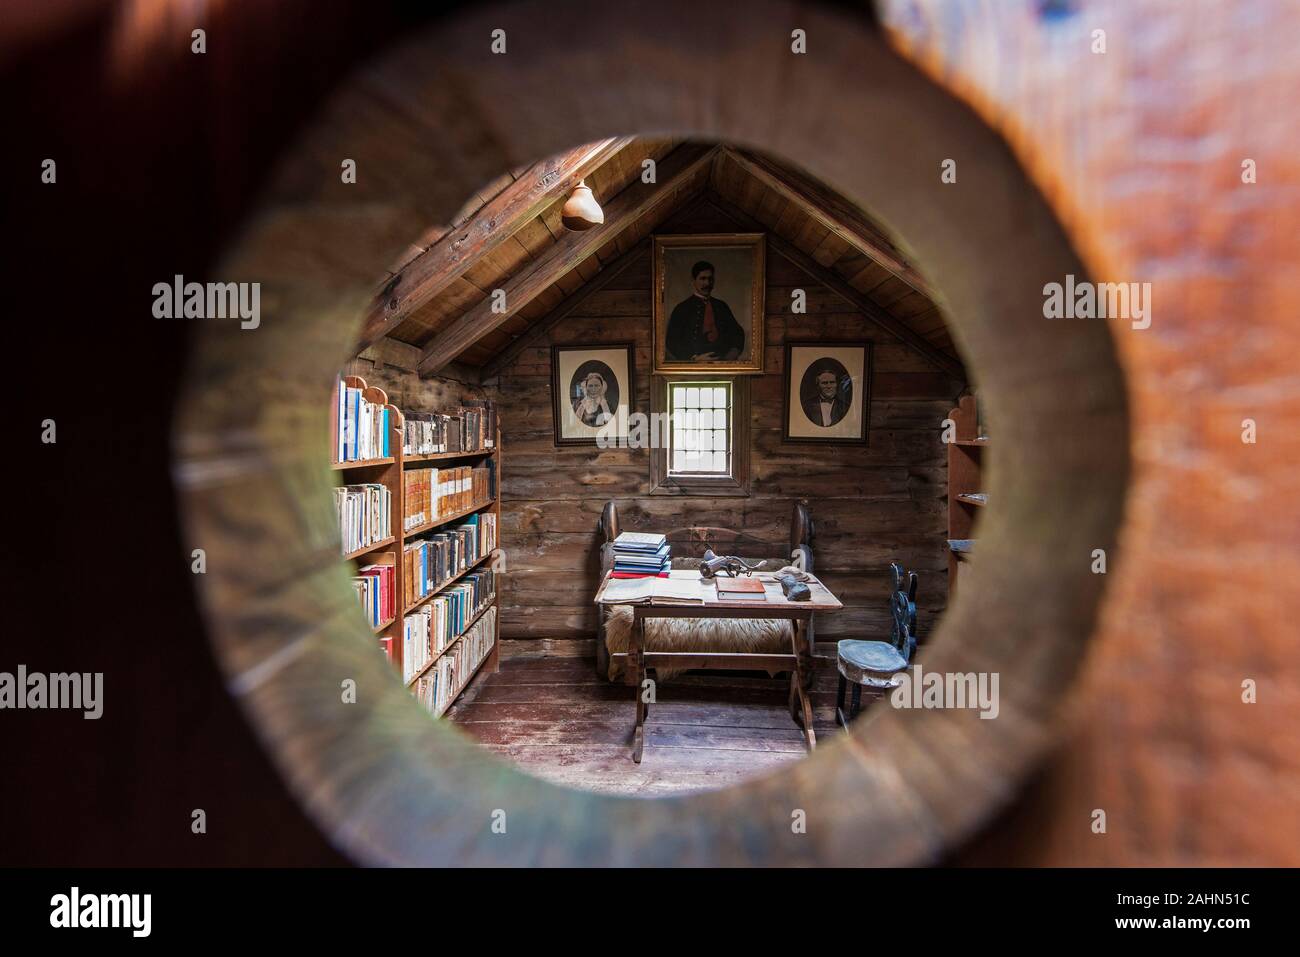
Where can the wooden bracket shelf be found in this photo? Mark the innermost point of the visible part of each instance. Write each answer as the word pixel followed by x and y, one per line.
pixel 965 484
pixel 447 519
pixel 367 464
pixel 445 456
pixel 390 540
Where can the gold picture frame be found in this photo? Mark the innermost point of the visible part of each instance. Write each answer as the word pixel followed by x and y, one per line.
pixel 696 316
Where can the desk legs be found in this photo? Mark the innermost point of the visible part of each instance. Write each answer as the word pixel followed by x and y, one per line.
pixel 636 676
pixel 801 683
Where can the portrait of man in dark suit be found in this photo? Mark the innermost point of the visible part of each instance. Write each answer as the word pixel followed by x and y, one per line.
pixel 828 393
pixel 702 327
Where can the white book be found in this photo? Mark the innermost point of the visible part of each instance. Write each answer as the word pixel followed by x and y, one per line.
pixel 637 591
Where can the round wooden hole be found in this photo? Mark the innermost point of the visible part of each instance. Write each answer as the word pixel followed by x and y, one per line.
pixel 427 125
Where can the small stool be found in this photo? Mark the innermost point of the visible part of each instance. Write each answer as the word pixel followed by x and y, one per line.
pixel 873 664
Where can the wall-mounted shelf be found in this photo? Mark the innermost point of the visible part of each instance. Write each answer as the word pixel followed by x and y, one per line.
pixel 965 486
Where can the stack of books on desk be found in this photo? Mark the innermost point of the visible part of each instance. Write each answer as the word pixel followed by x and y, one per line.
pixel 640 555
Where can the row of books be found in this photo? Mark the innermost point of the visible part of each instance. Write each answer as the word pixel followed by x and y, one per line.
pixel 429 494
pixel 361 428
pixel 429 562
pixel 641 555
pixel 430 630
pixel 437 689
pixel 471 428
pixel 376 589
pixel 365 515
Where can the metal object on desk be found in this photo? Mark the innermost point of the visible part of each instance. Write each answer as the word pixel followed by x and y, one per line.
pixel 713 565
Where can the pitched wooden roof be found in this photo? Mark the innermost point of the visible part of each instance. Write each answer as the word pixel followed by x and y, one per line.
pixel 509 237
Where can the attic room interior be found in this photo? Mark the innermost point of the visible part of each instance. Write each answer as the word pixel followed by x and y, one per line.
pixel 655 466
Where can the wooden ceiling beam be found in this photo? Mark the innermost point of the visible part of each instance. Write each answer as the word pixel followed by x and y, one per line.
pixel 831 211
pixel 622 211
pixel 431 272
pixel 840 286
pixel 563 310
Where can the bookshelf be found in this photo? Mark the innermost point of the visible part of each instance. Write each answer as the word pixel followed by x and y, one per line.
pixel 393 472
pixel 966 495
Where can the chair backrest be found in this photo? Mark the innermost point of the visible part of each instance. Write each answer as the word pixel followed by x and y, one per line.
pixel 902 607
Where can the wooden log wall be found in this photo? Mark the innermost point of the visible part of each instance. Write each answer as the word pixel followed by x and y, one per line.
pixel 391 365
pixel 871 504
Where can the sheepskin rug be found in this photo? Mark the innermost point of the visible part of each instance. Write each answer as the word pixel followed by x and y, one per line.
pixel 758 636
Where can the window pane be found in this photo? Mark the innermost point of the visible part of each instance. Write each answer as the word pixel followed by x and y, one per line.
pixel 700 431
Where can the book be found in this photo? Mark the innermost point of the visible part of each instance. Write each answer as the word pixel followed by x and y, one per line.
pixel 652 590
pixel 361 428
pixel 740 589
pixel 639 542
pixel 364 514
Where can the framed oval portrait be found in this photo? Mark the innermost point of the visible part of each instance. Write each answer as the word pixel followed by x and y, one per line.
pixel 591 391
pixel 827 392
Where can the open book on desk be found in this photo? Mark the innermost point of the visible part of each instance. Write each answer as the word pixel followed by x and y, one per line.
pixel 652 591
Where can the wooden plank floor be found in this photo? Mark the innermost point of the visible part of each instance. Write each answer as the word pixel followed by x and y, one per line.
pixel 559 721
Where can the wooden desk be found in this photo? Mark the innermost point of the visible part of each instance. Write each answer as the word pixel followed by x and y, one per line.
pixel 799 662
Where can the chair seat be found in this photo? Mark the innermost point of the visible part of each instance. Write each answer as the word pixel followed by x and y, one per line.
pixel 876 656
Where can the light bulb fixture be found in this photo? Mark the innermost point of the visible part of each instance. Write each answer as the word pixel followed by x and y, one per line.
pixel 581 211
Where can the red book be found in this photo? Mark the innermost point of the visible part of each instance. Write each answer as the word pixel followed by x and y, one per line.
pixel 637 575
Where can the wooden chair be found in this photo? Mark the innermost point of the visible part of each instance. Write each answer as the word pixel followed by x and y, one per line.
pixel 873 664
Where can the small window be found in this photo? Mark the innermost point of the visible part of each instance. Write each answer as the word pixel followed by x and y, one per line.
pixel 703 447
pixel 699 442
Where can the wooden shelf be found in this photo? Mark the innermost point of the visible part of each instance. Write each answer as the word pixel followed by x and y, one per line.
pixel 391 472
pixel 443 456
pixel 367 464
pixel 452 644
pixel 447 584
pixel 391 539
pixel 966 498
pixel 447 519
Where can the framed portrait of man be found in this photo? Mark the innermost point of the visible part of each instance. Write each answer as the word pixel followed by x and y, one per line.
pixel 708 303
pixel 827 392
pixel 588 385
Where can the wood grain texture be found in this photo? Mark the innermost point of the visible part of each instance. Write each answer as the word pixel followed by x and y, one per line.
pixel 391 787
pixel 1160 737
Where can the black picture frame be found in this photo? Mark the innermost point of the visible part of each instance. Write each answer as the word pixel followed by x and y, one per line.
pixel 565 430
pixel 803 431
